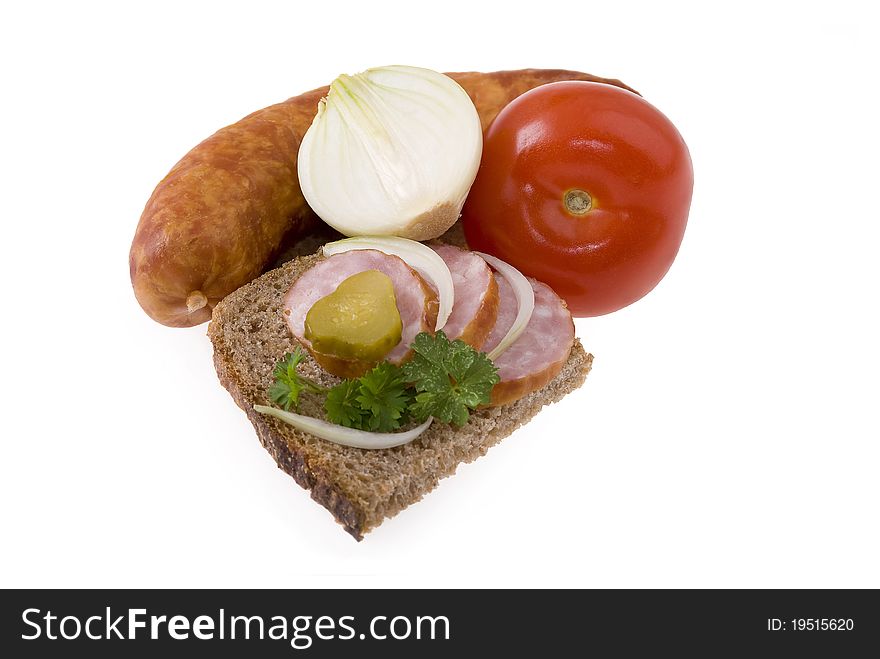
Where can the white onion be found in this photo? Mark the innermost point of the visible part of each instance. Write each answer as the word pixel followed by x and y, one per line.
pixel 525 300
pixel 419 257
pixel 342 435
pixel 391 151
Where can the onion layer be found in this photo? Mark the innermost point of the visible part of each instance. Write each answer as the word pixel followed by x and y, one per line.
pixel 392 151
pixel 525 300
pixel 342 435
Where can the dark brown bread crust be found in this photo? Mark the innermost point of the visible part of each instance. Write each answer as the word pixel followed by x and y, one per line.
pixel 226 209
pixel 291 461
pixel 360 488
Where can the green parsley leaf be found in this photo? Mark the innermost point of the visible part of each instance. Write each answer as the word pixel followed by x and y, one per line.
pixel 384 395
pixel 444 406
pixel 288 383
pixel 451 378
pixel 342 406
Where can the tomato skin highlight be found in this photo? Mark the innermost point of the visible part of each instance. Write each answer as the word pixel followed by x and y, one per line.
pixel 582 137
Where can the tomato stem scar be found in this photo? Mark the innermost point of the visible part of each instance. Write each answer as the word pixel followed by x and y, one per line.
pixel 577 202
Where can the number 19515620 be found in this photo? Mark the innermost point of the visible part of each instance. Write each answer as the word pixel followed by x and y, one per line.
pixel 810 624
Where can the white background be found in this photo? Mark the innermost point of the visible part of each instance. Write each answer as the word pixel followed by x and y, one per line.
pixel 727 436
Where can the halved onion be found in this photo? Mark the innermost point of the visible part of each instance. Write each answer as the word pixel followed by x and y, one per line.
pixel 342 435
pixel 392 151
pixel 419 257
pixel 525 300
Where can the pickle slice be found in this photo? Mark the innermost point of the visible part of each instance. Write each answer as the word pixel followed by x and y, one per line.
pixel 359 320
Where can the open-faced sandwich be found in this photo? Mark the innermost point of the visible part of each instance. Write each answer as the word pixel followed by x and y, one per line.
pixel 380 364
pixel 372 365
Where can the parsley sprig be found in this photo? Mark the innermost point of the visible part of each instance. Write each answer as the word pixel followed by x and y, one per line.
pixel 385 397
pixel 342 404
pixel 289 384
pixel 444 379
pixel 451 378
pixel 376 401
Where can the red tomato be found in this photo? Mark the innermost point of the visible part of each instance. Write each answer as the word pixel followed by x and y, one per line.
pixel 585 187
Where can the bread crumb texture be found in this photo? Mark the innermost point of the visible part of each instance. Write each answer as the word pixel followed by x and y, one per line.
pixel 360 487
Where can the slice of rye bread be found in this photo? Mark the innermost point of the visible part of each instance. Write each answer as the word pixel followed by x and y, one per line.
pixel 360 487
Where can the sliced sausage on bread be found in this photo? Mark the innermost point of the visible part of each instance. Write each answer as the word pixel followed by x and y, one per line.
pixel 540 352
pixel 476 296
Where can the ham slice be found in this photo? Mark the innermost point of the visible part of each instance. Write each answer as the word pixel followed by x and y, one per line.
pixel 541 350
pixel 476 296
pixel 416 303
